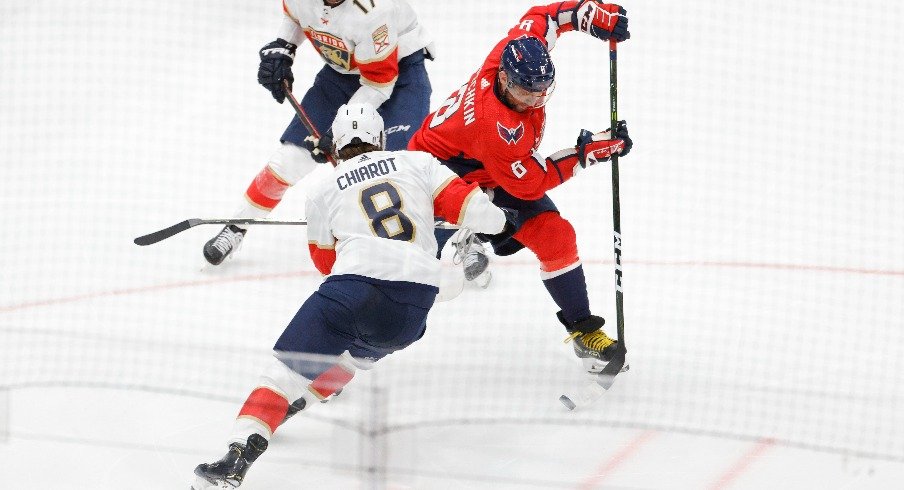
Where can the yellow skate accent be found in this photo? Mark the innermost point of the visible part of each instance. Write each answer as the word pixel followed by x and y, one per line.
pixel 596 340
pixel 572 337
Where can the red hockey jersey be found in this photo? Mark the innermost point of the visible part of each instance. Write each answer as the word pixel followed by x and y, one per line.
pixel 489 143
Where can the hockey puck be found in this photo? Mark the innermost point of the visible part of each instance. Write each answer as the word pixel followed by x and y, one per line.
pixel 567 402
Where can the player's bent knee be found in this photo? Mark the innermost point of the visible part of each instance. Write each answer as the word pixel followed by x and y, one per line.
pixel 310 377
pixel 279 377
pixel 357 362
pixel 291 163
pixel 331 380
pixel 552 238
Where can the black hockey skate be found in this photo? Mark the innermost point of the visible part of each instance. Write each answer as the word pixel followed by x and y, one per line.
pixel 591 344
pixel 229 472
pixel 470 252
pixel 221 246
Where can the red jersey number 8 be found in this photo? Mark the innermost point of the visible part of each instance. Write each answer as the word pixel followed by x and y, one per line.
pixel 449 107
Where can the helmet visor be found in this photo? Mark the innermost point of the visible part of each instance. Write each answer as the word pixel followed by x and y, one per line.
pixel 530 99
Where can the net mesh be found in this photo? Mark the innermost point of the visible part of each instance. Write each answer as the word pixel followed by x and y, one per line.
pixel 761 219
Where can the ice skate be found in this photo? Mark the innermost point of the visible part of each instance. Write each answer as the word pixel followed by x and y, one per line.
pixel 224 244
pixel 229 472
pixel 594 348
pixel 470 252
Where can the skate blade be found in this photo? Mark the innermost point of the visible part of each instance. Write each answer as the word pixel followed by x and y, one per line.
pixel 483 280
pixel 594 366
pixel 202 484
pixel 207 267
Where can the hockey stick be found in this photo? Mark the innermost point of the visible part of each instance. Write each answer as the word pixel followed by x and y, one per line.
pixel 160 235
pixel 303 117
pixel 165 233
pixel 606 377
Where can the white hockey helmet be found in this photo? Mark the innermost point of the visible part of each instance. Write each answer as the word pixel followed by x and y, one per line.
pixel 359 122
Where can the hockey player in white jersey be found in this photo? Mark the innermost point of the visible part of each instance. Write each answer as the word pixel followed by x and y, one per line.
pixel 370 231
pixel 374 51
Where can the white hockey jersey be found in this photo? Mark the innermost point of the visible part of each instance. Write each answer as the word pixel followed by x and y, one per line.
pixel 377 211
pixel 362 37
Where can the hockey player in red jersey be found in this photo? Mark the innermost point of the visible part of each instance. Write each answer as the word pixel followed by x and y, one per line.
pixel 489 131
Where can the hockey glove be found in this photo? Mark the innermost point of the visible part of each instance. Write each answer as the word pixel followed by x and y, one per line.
pixel 599 147
pixel 320 147
pixel 601 20
pixel 511 221
pixel 276 66
pixel 511 226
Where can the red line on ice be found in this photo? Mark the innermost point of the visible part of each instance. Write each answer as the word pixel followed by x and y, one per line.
pixel 151 289
pixel 613 463
pixel 285 275
pixel 743 464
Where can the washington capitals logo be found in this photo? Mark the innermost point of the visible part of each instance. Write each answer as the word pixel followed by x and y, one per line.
pixel 510 135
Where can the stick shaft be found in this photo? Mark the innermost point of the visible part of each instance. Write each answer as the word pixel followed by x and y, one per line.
pixel 165 233
pixel 160 235
pixel 303 116
pixel 616 200
pixel 606 377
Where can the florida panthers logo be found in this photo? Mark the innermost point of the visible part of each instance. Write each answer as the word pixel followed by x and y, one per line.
pixel 331 48
pixel 510 135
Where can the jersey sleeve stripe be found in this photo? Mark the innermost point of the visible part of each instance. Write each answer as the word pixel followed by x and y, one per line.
pixel 541 164
pixel 555 165
pixel 452 201
pixel 323 259
pixel 321 246
pixel 464 205
pixel 288 12
pixel 442 186
pixel 382 71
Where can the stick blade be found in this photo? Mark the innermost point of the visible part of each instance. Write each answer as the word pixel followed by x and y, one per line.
pixel 165 233
pixel 589 394
pixel 606 377
pixel 600 384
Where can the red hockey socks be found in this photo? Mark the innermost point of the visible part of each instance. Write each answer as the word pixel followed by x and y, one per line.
pixel 265 406
pixel 266 190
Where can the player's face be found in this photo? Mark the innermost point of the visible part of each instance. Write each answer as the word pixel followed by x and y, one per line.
pixel 522 99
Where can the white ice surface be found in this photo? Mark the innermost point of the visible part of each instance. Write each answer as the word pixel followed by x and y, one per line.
pixel 761 215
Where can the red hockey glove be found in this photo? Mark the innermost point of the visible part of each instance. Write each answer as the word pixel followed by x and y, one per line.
pixel 601 20
pixel 595 148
